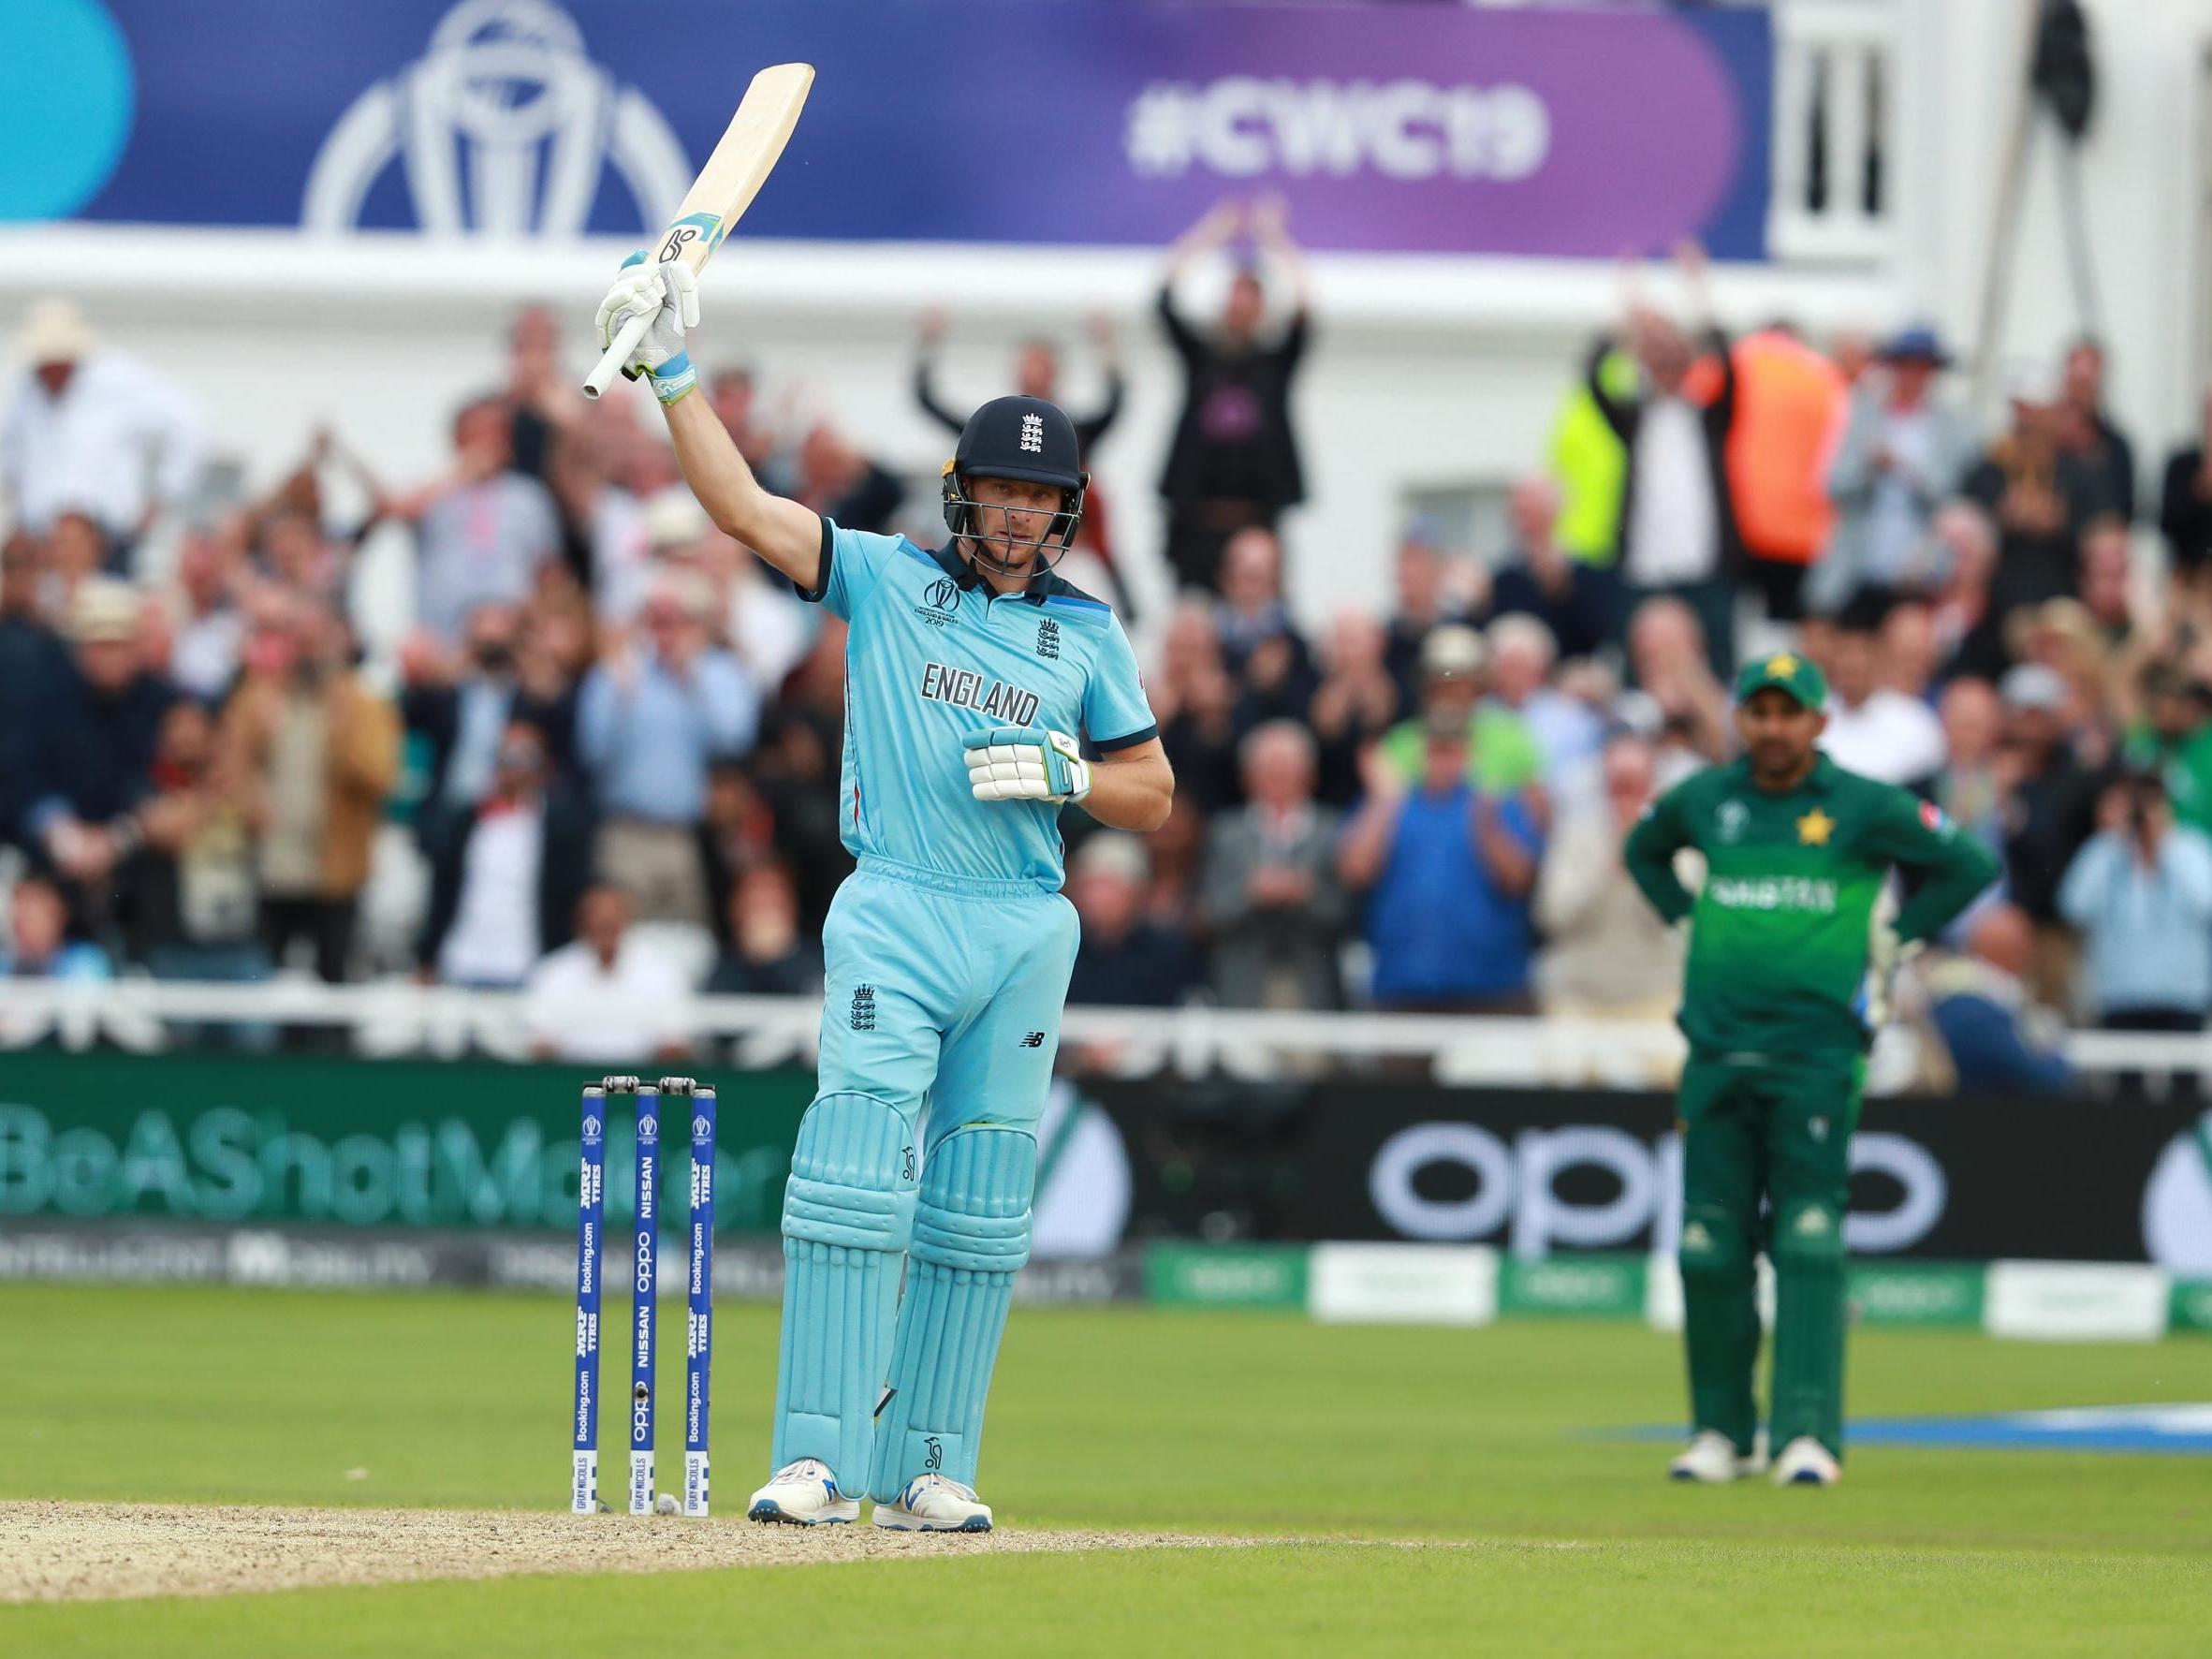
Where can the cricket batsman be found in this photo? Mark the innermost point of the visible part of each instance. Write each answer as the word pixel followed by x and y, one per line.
pixel 1788 978
pixel 973 679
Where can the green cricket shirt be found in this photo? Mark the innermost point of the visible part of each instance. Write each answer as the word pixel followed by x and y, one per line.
pixel 1781 931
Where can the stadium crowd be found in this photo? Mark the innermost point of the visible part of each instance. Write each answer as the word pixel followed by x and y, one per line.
pixel 604 755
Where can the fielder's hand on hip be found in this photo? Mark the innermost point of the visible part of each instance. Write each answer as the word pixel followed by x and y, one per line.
pixel 649 307
pixel 1026 763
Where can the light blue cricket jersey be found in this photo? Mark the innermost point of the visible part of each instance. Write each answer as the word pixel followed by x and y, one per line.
pixel 933 656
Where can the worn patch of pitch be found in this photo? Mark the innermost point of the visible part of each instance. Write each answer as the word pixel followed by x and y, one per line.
pixel 57 1551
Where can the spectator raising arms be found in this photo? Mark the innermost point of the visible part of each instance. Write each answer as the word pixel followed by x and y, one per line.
pixel 1037 374
pixel 1233 460
pixel 91 430
pixel 482 531
pixel 1678 524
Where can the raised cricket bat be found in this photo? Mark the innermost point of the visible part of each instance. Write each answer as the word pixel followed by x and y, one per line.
pixel 724 188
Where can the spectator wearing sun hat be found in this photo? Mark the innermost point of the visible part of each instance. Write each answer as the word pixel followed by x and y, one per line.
pixel 1501 752
pixel 91 427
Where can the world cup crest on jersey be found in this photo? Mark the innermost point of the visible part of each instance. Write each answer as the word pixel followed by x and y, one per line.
pixel 1733 815
pixel 941 599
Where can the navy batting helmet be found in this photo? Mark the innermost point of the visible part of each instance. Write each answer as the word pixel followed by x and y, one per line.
pixel 1026 439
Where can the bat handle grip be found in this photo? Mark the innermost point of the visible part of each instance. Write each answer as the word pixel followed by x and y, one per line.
pixel 610 365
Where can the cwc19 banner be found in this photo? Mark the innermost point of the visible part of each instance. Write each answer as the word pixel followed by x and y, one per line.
pixel 1573 133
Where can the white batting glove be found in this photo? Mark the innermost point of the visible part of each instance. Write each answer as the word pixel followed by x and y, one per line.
pixel 1884 956
pixel 1026 763
pixel 668 294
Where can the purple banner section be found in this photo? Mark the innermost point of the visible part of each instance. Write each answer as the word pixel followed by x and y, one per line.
pixel 1576 133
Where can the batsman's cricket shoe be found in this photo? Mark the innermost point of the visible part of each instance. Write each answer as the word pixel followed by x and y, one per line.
pixel 1712 1459
pixel 932 1503
pixel 1805 1461
pixel 803 1494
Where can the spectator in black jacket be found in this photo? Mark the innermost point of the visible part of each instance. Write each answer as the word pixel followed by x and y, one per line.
pixel 767 952
pixel 1261 647
pixel 838 481
pixel 32 658
pixel 1124 960
pixel 1234 463
pixel 2086 429
pixel 1678 532
pixel 91 749
pixel 462 705
pixel 2049 810
pixel 504 887
pixel 1573 599
pixel 2040 493
pixel 2185 502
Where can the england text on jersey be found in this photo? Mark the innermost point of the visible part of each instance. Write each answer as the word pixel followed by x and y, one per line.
pixel 965 688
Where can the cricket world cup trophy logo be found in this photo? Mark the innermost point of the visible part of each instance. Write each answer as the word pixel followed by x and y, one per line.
pixel 503 128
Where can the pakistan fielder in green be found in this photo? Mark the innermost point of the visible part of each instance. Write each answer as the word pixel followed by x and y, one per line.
pixel 1788 980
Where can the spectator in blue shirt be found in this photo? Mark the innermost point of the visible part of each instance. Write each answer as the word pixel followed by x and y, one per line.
pixel 1999 1039
pixel 2139 894
pixel 1449 871
pixel 650 722
pixel 37 946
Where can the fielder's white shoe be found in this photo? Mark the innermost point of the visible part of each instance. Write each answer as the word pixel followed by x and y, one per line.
pixel 803 1494
pixel 932 1503
pixel 1711 1460
pixel 1805 1461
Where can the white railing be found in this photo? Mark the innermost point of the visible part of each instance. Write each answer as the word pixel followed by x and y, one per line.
pixel 399 1018
pixel 1840 72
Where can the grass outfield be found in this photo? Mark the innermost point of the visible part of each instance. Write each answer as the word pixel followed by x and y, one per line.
pixel 1348 1445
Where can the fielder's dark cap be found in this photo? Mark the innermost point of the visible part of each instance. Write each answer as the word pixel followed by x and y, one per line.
pixel 1022 438
pixel 1786 671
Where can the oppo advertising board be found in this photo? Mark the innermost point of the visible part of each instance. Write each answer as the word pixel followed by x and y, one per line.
pixel 1541 1173
pixel 1562 133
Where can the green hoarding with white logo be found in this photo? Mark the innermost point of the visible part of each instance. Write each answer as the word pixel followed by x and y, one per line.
pixel 366 1143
